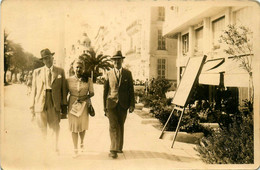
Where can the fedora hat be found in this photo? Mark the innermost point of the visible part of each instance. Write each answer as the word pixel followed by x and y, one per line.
pixel 117 55
pixel 45 53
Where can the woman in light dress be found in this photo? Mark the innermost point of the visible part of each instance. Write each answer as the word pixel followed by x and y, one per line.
pixel 80 90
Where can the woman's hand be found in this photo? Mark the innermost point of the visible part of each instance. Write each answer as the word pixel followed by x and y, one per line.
pixel 82 99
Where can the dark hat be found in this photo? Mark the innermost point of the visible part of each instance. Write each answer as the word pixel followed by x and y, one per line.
pixel 45 53
pixel 117 55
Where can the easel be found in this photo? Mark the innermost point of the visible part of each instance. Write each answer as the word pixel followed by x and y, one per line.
pixel 184 90
pixel 177 109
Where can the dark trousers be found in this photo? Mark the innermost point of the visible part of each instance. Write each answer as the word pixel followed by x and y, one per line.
pixel 117 117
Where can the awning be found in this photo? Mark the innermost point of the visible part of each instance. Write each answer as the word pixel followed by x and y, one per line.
pixel 235 75
pixel 210 74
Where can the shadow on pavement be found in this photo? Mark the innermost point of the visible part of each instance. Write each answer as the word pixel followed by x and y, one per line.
pixel 135 154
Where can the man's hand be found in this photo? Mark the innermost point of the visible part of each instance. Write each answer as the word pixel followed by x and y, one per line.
pixel 64 112
pixel 105 111
pixel 131 109
pixel 63 116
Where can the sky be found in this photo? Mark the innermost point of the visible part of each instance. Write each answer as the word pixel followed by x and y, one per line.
pixel 38 24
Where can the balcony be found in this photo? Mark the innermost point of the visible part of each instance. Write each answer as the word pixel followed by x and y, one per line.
pixel 130 52
pixel 134 27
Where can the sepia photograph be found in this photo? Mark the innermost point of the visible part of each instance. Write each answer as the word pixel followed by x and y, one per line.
pixel 129 84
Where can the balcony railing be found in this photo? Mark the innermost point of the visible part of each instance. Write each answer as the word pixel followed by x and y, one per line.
pixel 133 24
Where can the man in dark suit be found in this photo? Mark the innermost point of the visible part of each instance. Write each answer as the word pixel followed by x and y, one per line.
pixel 118 98
pixel 48 94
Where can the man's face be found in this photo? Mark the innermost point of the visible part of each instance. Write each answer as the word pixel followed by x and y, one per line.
pixel 48 61
pixel 117 63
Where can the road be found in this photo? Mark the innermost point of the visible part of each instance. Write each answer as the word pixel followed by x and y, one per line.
pixel 23 148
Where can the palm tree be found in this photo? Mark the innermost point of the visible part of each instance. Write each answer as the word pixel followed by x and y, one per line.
pixel 95 63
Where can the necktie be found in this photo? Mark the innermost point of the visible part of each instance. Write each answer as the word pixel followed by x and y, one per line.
pixel 118 74
pixel 49 77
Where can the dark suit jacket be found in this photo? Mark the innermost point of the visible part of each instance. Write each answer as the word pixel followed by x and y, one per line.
pixel 121 92
pixel 58 86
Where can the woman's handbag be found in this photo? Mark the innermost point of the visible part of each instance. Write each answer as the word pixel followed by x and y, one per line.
pixel 90 108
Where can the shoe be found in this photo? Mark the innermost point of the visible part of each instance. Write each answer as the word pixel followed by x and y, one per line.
pixel 113 155
pixel 120 151
pixel 82 148
pixel 75 154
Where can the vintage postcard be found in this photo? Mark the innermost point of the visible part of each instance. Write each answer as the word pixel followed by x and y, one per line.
pixel 174 84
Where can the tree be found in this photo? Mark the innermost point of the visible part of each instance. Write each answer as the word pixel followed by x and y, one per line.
pixel 239 45
pixel 32 62
pixel 95 63
pixel 18 61
pixel 8 51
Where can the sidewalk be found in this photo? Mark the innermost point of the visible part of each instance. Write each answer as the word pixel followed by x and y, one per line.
pixel 142 148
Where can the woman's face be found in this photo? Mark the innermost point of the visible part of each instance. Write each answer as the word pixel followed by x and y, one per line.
pixel 78 69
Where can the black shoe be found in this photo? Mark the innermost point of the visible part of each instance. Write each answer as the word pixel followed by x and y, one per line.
pixel 113 155
pixel 120 151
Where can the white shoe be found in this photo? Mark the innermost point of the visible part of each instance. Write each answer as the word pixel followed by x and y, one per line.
pixel 75 154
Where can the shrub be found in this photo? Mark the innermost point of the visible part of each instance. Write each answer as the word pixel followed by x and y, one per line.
pixel 159 87
pixel 190 120
pixel 232 144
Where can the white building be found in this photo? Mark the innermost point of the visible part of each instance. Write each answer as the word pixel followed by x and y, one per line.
pixel 139 37
pixel 198 30
pixel 74 50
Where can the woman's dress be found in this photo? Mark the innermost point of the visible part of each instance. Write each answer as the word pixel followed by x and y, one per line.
pixel 78 88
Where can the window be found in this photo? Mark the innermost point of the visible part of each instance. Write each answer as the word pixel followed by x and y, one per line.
pixel 185 44
pixel 182 69
pixel 218 26
pixel 161 68
pixel 161 13
pixel 199 39
pixel 161 41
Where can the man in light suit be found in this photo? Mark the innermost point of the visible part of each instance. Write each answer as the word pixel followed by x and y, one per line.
pixel 118 98
pixel 48 94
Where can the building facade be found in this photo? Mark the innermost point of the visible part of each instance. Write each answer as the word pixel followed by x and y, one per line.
pixel 198 31
pixel 74 50
pixel 148 54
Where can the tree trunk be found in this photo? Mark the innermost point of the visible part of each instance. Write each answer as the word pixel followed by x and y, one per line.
pixel 5 77
pixel 15 77
pixel 251 88
pixel 12 73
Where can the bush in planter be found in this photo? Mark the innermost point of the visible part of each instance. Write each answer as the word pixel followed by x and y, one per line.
pixel 161 108
pixel 156 95
pixel 189 123
pixel 159 87
pixel 233 145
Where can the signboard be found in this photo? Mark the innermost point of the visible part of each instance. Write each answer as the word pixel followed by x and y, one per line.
pixel 191 73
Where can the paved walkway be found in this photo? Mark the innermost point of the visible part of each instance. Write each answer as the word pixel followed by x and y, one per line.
pixel 22 147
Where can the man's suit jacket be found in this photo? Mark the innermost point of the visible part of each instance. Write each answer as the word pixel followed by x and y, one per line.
pixel 121 91
pixel 58 85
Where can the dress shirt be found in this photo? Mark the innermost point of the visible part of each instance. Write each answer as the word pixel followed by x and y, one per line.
pixel 118 72
pixel 47 70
